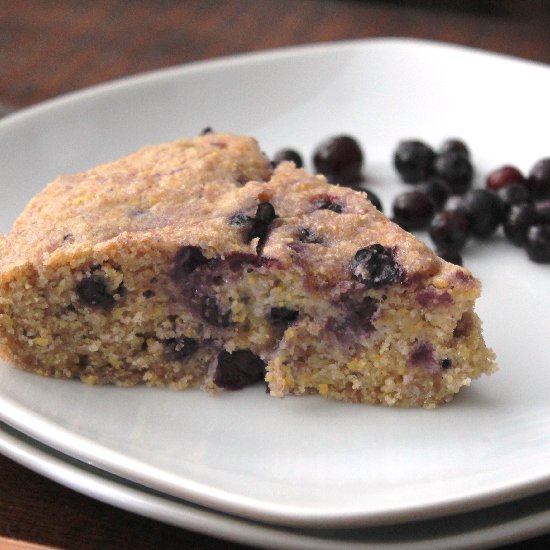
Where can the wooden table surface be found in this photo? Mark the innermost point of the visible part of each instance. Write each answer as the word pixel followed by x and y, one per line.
pixel 50 47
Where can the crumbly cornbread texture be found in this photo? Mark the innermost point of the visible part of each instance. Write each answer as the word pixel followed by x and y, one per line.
pixel 194 263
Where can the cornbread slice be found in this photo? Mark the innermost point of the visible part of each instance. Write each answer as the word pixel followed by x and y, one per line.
pixel 194 263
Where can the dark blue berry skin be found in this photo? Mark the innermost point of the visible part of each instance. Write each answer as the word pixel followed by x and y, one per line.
pixel 340 159
pixel 450 230
pixel 413 160
pixel 454 145
pixel 436 189
pixel 537 243
pixel 239 369
pixel 375 266
pixel 283 316
pixel 92 291
pixel 538 181
pixel 413 210
pixel 514 193
pixel 518 220
pixel 290 155
pixel 485 210
pixel 542 210
pixel 375 200
pixel 456 170
pixel 455 204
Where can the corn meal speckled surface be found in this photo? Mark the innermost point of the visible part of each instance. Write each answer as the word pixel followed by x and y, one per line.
pixel 157 269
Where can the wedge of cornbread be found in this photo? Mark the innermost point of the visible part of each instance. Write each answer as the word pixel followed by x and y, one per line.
pixel 194 263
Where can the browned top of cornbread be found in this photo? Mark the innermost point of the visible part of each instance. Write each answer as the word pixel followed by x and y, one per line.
pixel 189 192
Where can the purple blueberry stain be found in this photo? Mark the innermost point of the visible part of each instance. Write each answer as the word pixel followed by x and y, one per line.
pixel 422 356
pixel 186 260
pixel 430 296
pixel 212 313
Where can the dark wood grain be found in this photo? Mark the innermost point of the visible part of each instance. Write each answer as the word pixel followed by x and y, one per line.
pixel 50 47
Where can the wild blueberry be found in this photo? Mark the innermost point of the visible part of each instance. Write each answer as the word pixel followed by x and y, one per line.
pixel 375 266
pixel 538 181
pixel 518 220
pixel 503 177
pixel 454 145
pixel 340 159
pixel 436 189
pixel 486 211
pixel 542 210
pixel 450 256
pixel 290 155
pixel 413 210
pixel 514 193
pixel 456 170
pixel 413 160
pixel 538 243
pixel 93 291
pixel 450 230
pixel 375 200
pixel 236 370
pixel 265 214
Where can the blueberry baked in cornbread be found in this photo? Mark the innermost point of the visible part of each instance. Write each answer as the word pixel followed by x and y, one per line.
pixel 196 264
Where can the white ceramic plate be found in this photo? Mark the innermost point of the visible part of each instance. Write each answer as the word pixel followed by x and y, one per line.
pixel 308 461
pixel 502 524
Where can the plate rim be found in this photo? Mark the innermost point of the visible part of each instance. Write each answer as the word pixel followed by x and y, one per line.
pixel 176 512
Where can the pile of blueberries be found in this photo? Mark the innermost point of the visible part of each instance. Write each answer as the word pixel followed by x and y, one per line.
pixel 442 200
